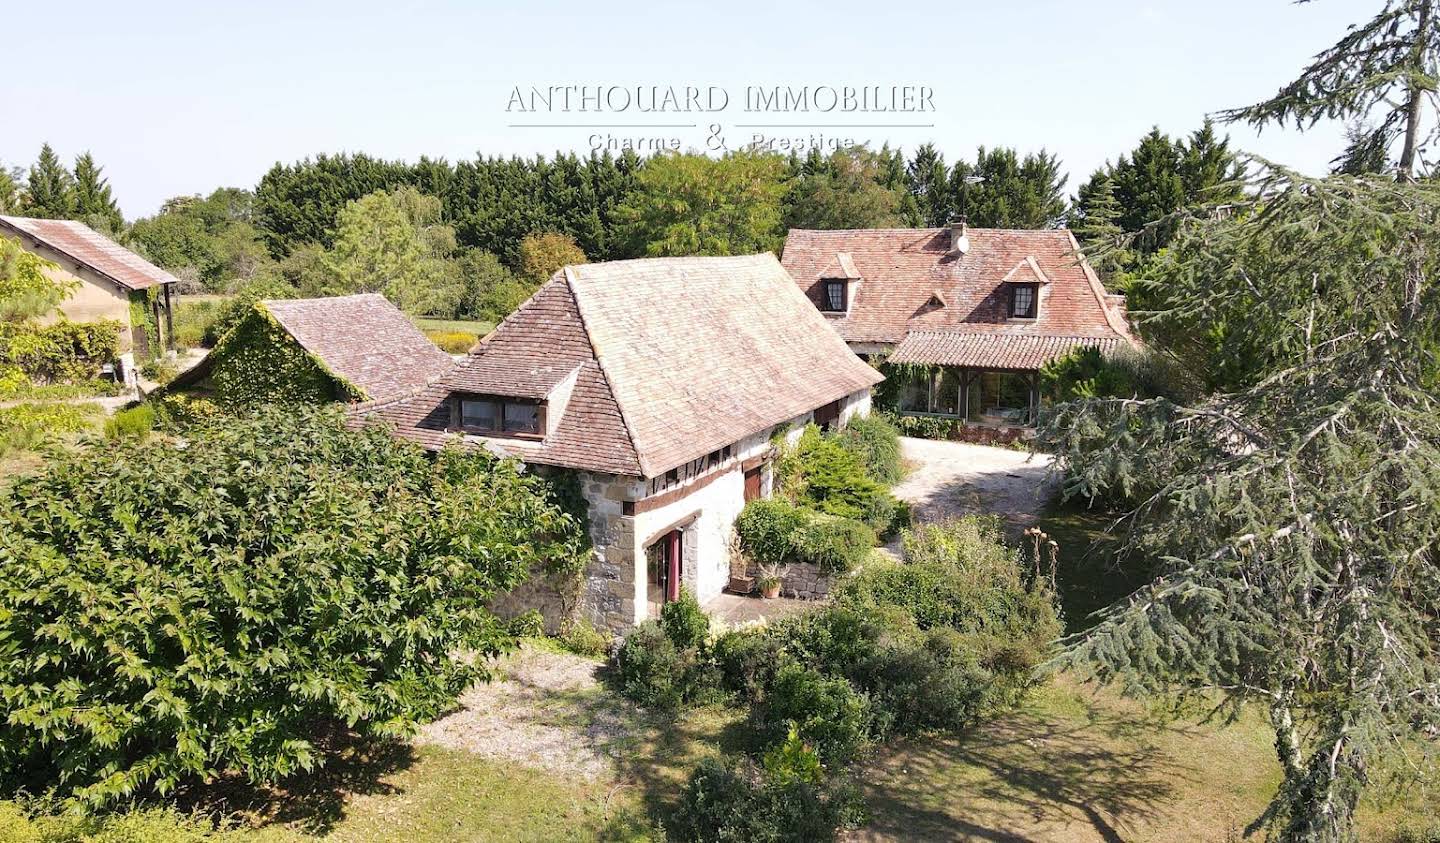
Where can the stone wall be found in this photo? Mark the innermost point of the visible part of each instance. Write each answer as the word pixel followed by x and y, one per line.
pixel 801 580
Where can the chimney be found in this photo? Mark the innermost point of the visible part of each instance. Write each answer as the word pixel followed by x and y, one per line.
pixel 959 239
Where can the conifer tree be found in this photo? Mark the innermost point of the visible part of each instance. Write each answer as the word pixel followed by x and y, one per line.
pixel 1292 521
pixel 50 192
pixel 928 179
pixel 10 193
pixel 1389 64
pixel 1098 227
pixel 93 202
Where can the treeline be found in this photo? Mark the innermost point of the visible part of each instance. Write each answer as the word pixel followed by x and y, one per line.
pixel 471 239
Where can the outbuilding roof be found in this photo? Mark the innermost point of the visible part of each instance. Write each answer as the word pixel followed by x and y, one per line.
pixel 673 358
pixel 991 350
pixel 90 249
pixel 364 339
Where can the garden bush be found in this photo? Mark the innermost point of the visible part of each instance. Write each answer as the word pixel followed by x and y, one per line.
pixel 875 442
pixel 666 663
pixel 583 639
pixel 736 801
pixel 821 474
pixel 168 611
pixel 139 825
pixel 60 352
pixel 132 423
pixel 748 661
pixel 159 370
pixel 233 310
pixel 829 714
pixel 177 410
pixel 774 531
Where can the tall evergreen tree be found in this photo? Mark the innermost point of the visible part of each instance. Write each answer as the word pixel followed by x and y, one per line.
pixel 1098 227
pixel 50 191
pixel 1390 63
pixel 10 193
pixel 928 180
pixel 842 190
pixel 1367 151
pixel 93 202
pixel 1003 191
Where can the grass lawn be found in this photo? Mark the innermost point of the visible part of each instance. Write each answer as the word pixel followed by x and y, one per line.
pixel 1088 576
pixel 460 326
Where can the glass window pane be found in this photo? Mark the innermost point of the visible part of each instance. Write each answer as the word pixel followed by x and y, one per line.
pixel 479 415
pixel 522 418
pixel 834 295
pixel 1024 302
pixel 947 392
pixel 915 392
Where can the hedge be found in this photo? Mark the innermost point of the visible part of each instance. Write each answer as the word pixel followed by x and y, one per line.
pixel 61 352
pixel 875 443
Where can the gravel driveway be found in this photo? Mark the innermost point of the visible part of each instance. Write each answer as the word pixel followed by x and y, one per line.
pixel 949 479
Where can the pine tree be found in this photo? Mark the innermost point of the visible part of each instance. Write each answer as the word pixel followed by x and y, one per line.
pixel 93 202
pixel 1390 63
pixel 1002 190
pixel 1367 151
pixel 50 193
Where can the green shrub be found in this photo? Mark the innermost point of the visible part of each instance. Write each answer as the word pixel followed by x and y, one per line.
pixel 684 622
pixel 177 410
pixel 766 527
pixel 748 660
pixel 582 638
pixel 821 474
pixel 20 388
pixel 24 427
pixel 452 342
pixel 60 352
pixel 875 442
pixel 837 545
pixel 828 712
pixel 192 321
pixel 1125 373
pixel 650 670
pixel 774 531
pixel 169 611
pixel 935 682
pixel 926 427
pixel 134 423
pixel 529 624
pixel 736 801
pixel 792 760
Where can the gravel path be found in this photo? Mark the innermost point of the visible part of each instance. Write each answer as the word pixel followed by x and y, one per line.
pixel 544 709
pixel 949 479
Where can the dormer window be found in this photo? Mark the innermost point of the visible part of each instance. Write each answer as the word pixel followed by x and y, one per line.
pixel 834 289
pixel 1024 301
pixel 490 415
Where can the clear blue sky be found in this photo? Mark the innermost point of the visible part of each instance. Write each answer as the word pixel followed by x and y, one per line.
pixel 176 98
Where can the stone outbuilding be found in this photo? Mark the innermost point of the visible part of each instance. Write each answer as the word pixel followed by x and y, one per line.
pixel 660 383
pixel 110 281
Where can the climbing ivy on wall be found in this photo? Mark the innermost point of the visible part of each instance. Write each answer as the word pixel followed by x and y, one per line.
pixel 142 316
pixel 259 362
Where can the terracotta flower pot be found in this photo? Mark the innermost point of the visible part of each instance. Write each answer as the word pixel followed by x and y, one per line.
pixel 770 592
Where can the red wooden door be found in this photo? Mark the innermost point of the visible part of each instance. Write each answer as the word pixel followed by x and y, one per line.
pixel 673 568
pixel 752 484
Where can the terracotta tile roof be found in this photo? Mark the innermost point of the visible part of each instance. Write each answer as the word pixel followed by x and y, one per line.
pixel 991 350
pixel 364 339
pixel 677 357
pixel 901 269
pixel 85 246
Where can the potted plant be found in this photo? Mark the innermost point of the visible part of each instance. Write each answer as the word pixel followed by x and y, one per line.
pixel 740 580
pixel 769 582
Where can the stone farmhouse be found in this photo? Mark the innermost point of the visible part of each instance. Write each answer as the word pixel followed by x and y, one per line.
pixel 976 312
pixel 660 384
pixel 111 281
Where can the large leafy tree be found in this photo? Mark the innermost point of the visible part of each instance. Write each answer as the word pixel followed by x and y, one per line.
pixel 28 285
pixel 168 613
pixel 1387 65
pixel 50 189
pixel 93 200
pixel 11 195
pixel 850 188
pixel 543 254
pixel 213 239
pixel 693 204
pixel 1293 520
pixel 394 243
